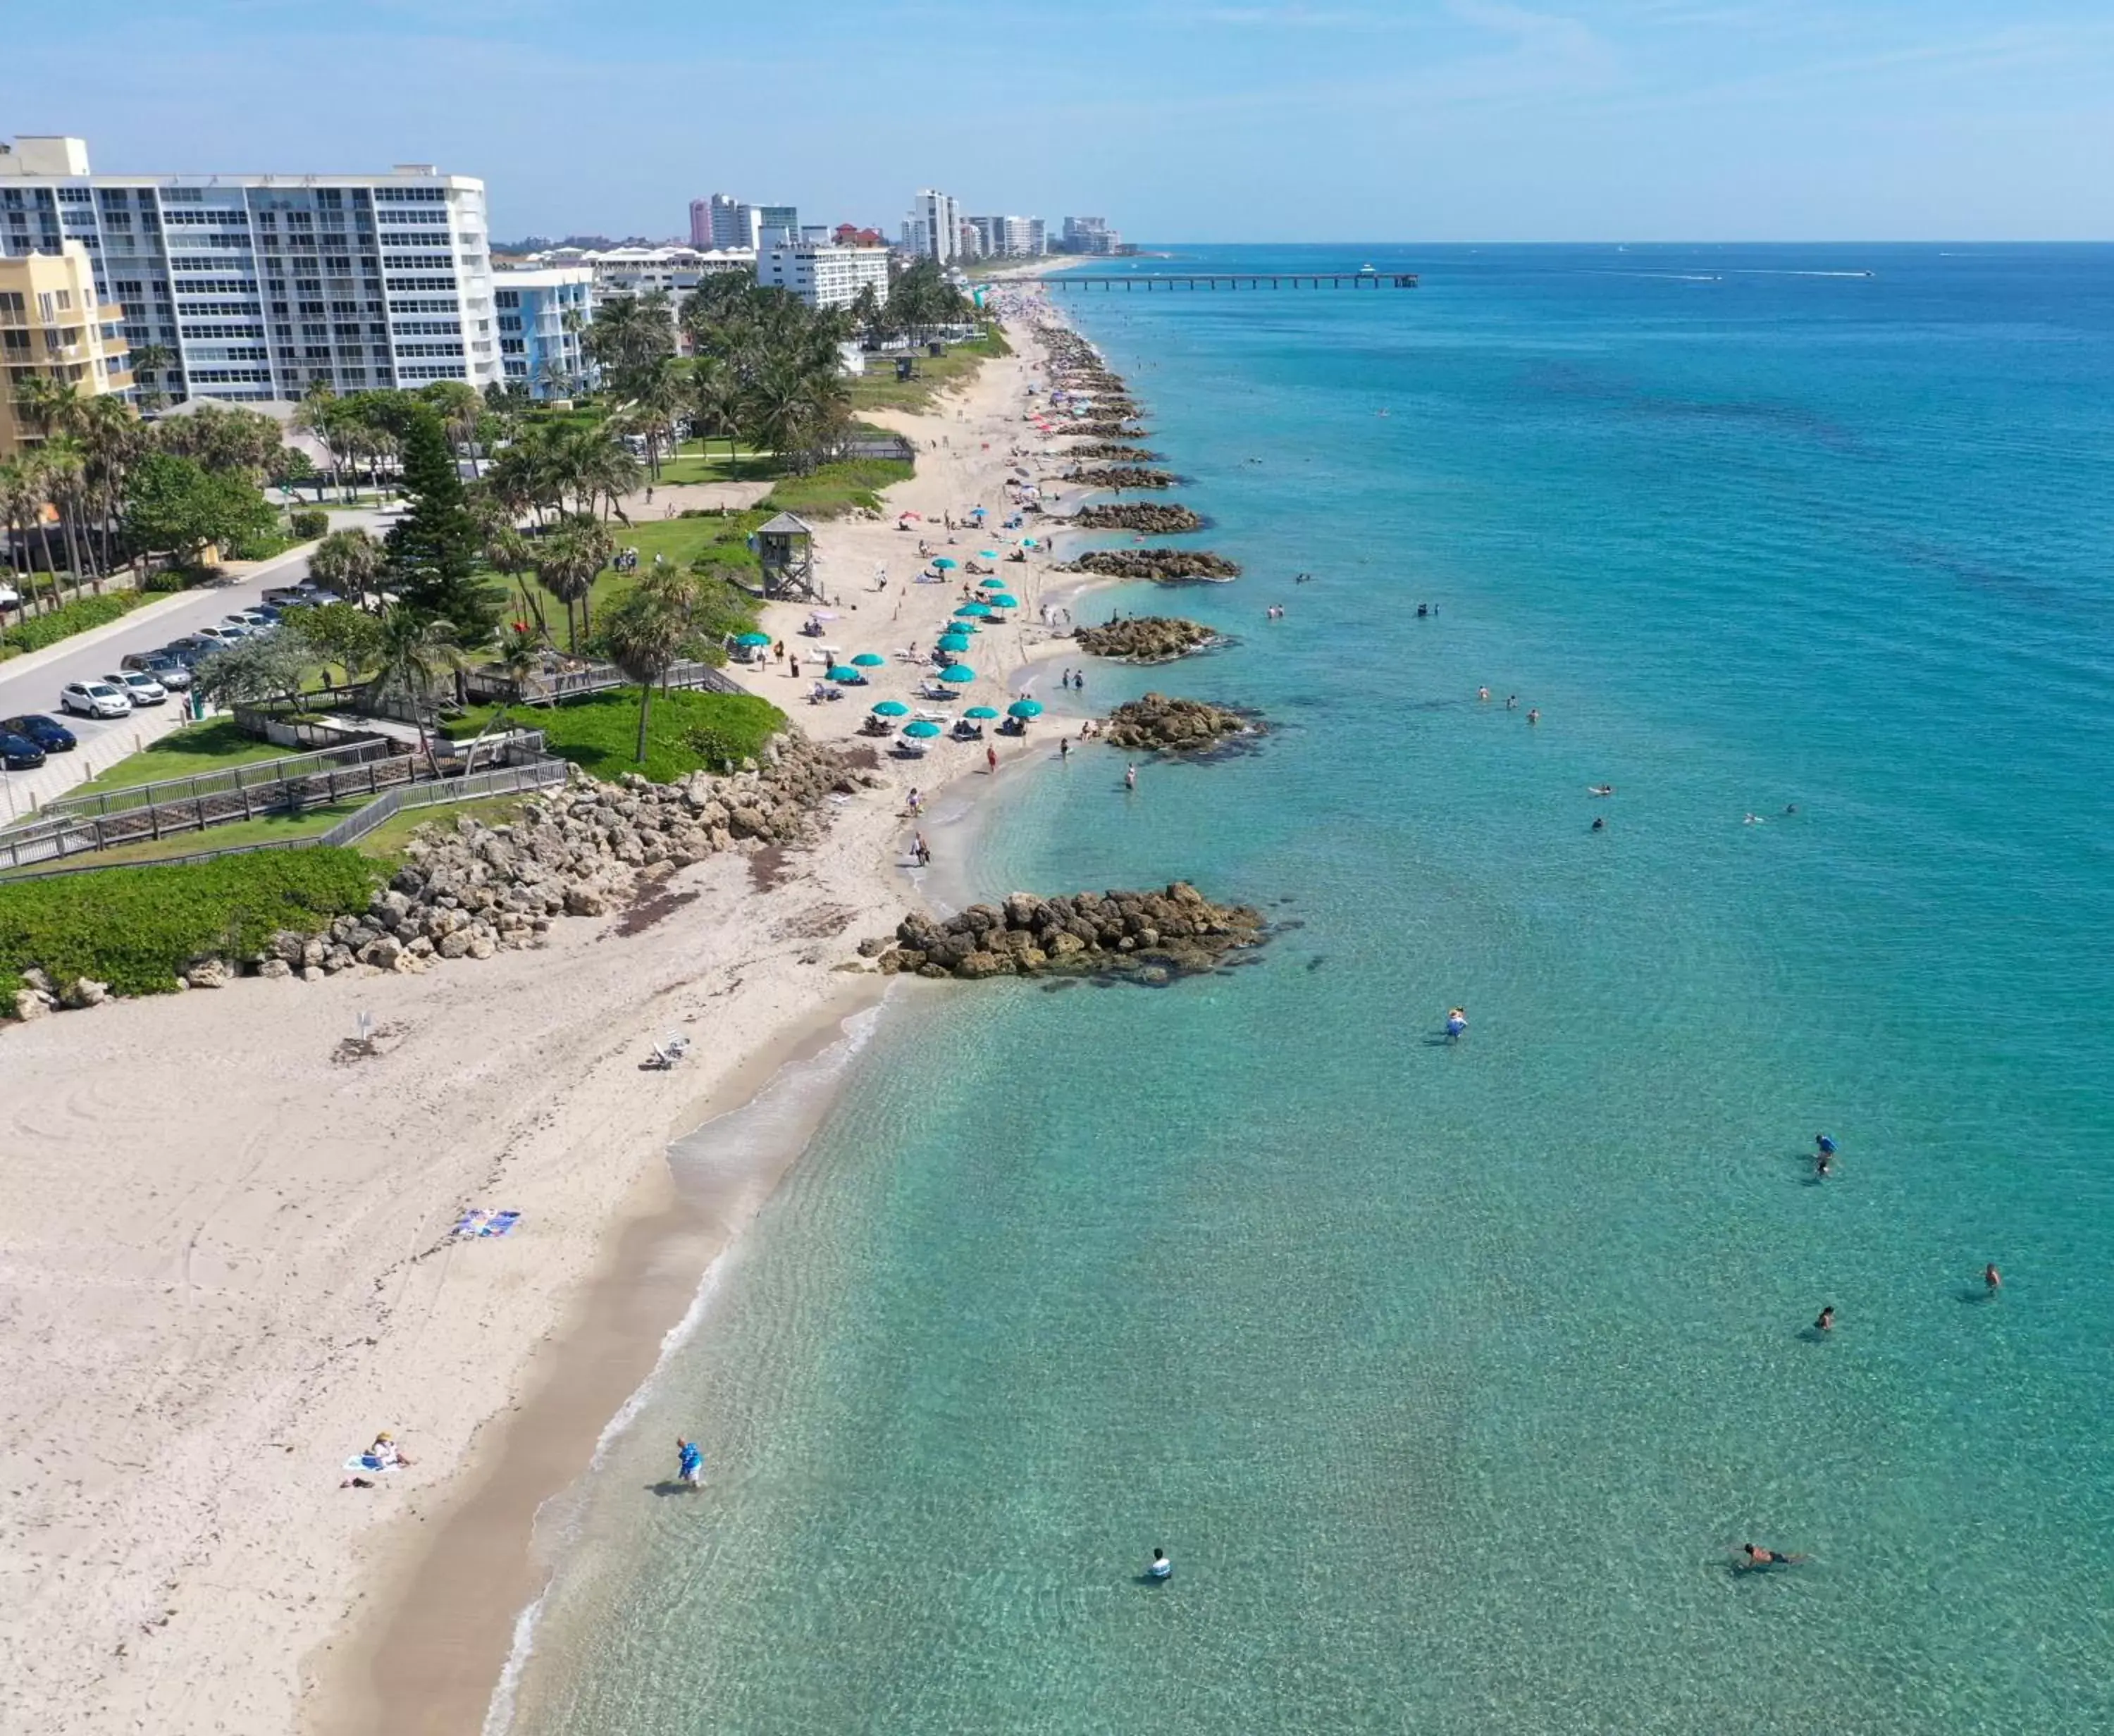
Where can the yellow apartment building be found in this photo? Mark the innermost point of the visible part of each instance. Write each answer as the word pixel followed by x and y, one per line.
pixel 54 327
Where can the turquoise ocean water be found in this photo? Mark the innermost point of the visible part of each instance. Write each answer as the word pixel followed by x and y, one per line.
pixel 1448 1374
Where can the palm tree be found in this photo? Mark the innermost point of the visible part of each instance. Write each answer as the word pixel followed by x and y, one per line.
pixel 46 405
pixel 715 402
pixel 647 630
pixel 21 504
pixel 413 655
pixel 148 360
pixel 348 562
pixel 65 468
pixel 568 560
pixel 521 657
pixel 462 408
pixel 112 436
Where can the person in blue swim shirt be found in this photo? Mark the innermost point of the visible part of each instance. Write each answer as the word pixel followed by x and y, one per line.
pixel 690 1462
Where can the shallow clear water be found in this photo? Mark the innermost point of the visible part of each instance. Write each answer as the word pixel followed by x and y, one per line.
pixel 1448 1374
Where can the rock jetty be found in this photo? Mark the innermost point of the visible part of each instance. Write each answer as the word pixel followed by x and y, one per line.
pixel 1155 723
pixel 1152 937
pixel 1147 638
pixel 1098 428
pixel 1163 566
pixel 1136 515
pixel 1122 476
pixel 1106 448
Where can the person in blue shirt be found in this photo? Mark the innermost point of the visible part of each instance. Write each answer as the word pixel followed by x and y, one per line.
pixel 690 1458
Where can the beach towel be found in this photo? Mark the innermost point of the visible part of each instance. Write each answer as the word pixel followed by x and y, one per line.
pixel 485 1222
pixel 368 1465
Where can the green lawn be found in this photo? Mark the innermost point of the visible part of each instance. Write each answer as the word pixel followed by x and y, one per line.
pixel 213 745
pixel 268 829
pixel 386 840
pixel 694 463
pixel 878 389
pixel 688 731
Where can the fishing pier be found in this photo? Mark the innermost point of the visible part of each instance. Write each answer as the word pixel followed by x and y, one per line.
pixel 1153 281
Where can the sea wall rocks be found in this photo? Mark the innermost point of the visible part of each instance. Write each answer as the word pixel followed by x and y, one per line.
pixel 1095 427
pixel 1155 722
pixel 1122 476
pixel 1151 936
pixel 1147 638
pixel 468 890
pixel 1164 566
pixel 1136 515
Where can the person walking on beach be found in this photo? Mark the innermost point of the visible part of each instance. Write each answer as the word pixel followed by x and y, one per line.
pixel 913 801
pixel 990 760
pixel 920 851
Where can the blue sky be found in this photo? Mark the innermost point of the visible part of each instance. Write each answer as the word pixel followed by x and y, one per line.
pixel 1178 119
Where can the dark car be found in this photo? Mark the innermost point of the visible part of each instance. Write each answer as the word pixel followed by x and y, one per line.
pixel 19 753
pixel 164 666
pixel 189 649
pixel 47 732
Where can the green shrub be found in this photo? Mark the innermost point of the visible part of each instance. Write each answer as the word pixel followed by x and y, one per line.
pixel 686 731
pixel 831 490
pixel 136 928
pixel 69 619
pixel 168 580
pixel 308 523
pixel 262 546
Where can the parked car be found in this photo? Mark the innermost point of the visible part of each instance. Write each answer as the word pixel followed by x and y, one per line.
pixel 303 595
pixel 138 687
pixel 10 597
pixel 47 732
pixel 165 666
pixel 252 620
pixel 190 649
pixel 94 699
pixel 270 613
pixel 220 638
pixel 19 753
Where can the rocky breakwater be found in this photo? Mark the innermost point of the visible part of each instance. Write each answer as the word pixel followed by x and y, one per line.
pixel 1096 427
pixel 1136 515
pixel 1153 723
pixel 1163 566
pixel 1147 638
pixel 1104 449
pixel 1121 476
pixel 1152 937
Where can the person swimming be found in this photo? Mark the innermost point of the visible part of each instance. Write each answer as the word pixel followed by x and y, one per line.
pixel 689 1462
pixel 1482 693
pixel 1599 824
pixel 1826 1323
pixel 1534 714
pixel 1756 1560
pixel 1823 1145
pixel 1457 1021
pixel 1992 1280
pixel 1161 1567
pixel 1599 789
pixel 1130 777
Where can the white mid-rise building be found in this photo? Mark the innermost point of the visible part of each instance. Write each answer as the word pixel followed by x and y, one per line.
pixel 543 317
pixel 1010 237
pixel 824 276
pixel 933 230
pixel 262 286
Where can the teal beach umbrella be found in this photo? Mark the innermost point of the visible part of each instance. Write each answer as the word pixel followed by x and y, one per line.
pixel 1002 599
pixel 957 673
pixel 869 659
pixel 944 565
pixel 843 672
pixel 891 708
pixel 954 641
pixel 753 638
pixel 981 712
pixel 1024 708
pixel 922 729
pixel 968 611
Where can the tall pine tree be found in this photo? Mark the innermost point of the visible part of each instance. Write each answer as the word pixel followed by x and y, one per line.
pixel 434 550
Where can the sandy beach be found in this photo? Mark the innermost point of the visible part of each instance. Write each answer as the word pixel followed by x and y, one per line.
pixel 228 1260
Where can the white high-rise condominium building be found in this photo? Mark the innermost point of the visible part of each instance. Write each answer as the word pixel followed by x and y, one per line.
pixel 933 230
pixel 824 276
pixel 1010 237
pixel 1089 234
pixel 263 285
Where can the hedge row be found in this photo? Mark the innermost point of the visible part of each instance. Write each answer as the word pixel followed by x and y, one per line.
pixel 136 929
pixel 69 619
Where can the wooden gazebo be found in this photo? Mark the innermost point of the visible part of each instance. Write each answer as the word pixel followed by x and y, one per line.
pixel 785 550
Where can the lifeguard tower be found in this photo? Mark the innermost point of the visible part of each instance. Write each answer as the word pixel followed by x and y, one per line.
pixel 785 551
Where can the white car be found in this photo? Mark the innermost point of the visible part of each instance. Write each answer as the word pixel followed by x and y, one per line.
pixel 223 636
pixel 138 687
pixel 255 619
pixel 94 699
pixel 10 597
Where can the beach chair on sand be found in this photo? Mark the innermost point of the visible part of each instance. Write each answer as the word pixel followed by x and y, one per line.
pixel 666 1053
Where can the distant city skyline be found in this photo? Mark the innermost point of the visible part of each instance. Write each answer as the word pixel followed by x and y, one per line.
pixel 1337 119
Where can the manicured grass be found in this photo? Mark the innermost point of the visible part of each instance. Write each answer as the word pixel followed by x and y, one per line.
pixel 269 828
pixel 213 745
pixel 879 389
pixel 136 928
pixel 705 461
pixel 687 731
pixel 386 842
